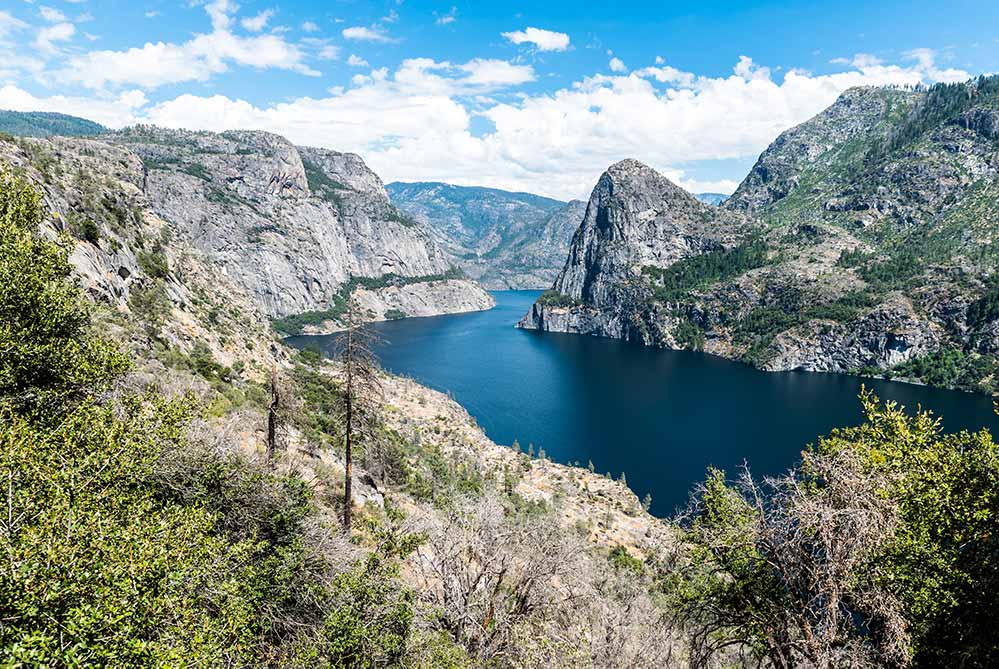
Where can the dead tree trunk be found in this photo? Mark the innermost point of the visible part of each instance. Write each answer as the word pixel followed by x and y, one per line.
pixel 272 415
pixel 348 427
pixel 358 393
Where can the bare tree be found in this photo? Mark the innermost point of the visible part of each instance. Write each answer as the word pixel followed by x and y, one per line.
pixel 777 570
pixel 488 574
pixel 272 414
pixel 360 390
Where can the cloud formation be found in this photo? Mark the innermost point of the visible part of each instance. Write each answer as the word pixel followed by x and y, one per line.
pixel 367 34
pixel 470 122
pixel 161 63
pixel 543 40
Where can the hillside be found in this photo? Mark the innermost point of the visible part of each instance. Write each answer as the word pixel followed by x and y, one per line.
pixel 870 249
pixel 150 525
pixel 499 238
pixel 46 124
pixel 134 441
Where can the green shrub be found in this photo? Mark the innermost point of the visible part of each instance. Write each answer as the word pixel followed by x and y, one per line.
pixel 553 298
pixel 689 336
pixel 49 353
pixel 154 262
pixel 150 304
pixel 83 228
pixel 674 282
pixel 395 314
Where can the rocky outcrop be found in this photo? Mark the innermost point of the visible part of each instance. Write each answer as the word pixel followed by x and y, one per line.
pixel 206 236
pixel 860 240
pixel 779 169
pixel 290 224
pixel 636 219
pixel 125 256
pixel 503 240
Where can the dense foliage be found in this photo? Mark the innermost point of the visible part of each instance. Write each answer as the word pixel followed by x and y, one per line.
pixel 880 550
pixel 129 541
pixel 942 103
pixel 951 368
pixel 674 282
pixel 43 124
pixel 47 357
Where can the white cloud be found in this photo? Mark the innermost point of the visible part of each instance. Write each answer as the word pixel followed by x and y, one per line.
pixel 544 40
pixel 162 63
pixel 10 23
pixel 491 72
pixel 219 11
pixel 749 70
pixel 112 112
pixel 356 61
pixel 328 52
pixel 310 27
pixel 415 122
pixel 445 19
pixel 58 32
pixel 859 60
pixel 51 14
pixel 258 22
pixel 667 75
pixel 617 65
pixel 152 14
pixel 366 34
pixel 926 62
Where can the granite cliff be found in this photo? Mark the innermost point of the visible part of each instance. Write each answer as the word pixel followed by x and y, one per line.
pixel 499 238
pixel 861 241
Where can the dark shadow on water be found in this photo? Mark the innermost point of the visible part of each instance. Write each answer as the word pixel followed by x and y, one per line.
pixel 661 417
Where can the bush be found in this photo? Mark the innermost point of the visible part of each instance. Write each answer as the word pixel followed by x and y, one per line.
pixel 83 228
pixel 674 282
pixel 884 539
pixel 49 354
pixel 154 262
pixel 553 298
pixel 150 304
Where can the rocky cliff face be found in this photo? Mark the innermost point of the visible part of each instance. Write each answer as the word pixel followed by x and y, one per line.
pixel 636 221
pixel 501 239
pixel 291 225
pixel 862 239
pixel 126 256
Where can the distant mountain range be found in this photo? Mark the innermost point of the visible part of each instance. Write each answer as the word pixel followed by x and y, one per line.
pixel 47 124
pixel 711 198
pixel 500 238
pixel 863 240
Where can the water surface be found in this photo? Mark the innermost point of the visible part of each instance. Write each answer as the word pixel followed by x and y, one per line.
pixel 661 417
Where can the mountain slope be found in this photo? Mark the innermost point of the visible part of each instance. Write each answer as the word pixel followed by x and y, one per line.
pixel 46 124
pixel 500 238
pixel 296 226
pixel 872 249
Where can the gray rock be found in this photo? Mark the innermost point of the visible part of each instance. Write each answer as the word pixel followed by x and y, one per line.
pixel 289 224
pixel 503 240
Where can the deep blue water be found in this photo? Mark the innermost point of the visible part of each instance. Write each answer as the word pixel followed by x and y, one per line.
pixel 659 416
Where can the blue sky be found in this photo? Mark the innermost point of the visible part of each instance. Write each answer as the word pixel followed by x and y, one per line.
pixel 534 96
